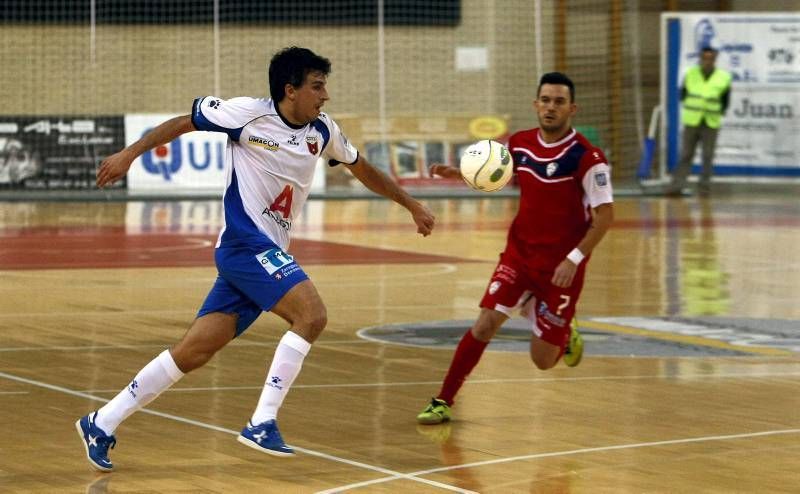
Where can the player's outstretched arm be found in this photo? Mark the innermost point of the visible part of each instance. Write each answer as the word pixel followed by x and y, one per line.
pixel 116 166
pixel 445 171
pixel 378 182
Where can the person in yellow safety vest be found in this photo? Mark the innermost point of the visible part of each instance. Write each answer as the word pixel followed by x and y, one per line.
pixel 705 94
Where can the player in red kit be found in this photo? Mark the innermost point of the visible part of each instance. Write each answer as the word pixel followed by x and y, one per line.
pixel 565 210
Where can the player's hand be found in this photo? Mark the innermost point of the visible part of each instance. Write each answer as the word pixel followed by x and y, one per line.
pixel 564 274
pixel 444 171
pixel 113 168
pixel 423 218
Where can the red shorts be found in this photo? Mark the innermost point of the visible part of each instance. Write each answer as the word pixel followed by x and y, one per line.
pixel 514 285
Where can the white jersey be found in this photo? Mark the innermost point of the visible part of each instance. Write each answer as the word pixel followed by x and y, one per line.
pixel 270 165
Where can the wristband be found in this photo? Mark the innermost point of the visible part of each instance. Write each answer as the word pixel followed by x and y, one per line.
pixel 576 256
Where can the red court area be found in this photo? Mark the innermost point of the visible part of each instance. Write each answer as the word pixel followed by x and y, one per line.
pixel 113 248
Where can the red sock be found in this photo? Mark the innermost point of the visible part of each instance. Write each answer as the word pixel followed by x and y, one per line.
pixel 467 355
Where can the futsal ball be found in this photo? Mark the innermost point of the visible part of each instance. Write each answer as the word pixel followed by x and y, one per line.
pixel 486 166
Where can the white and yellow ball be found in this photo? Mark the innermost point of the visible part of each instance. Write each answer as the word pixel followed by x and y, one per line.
pixel 486 166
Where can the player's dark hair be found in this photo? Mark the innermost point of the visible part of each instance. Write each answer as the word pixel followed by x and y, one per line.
pixel 291 66
pixel 559 79
pixel 707 49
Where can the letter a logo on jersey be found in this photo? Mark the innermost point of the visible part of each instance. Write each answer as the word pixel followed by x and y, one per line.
pixel 313 145
pixel 283 203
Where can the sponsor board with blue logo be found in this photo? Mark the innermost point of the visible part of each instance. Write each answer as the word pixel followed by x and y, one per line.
pixel 193 161
pixel 758 133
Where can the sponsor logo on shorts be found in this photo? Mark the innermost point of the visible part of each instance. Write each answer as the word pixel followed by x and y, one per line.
pixel 545 314
pixel 493 287
pixel 275 260
pixel 287 271
pixel 505 273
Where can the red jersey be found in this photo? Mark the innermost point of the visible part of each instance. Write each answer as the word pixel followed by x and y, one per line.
pixel 559 184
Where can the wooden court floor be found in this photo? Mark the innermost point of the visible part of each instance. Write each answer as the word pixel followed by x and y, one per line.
pixel 690 383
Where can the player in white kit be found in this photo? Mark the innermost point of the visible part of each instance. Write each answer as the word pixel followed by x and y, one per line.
pixel 273 147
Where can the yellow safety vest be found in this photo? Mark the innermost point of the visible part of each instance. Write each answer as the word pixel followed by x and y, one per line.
pixel 703 97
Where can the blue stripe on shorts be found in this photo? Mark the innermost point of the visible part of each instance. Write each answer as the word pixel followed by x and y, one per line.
pixel 251 280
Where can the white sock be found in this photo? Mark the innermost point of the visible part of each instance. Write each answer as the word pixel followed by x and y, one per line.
pixel 155 377
pixel 286 364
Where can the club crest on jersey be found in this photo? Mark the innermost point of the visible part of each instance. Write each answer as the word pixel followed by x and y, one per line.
pixel 263 142
pixel 313 144
pixel 551 168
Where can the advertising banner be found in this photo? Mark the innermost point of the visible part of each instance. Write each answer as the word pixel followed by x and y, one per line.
pixel 762 52
pixel 56 152
pixel 192 163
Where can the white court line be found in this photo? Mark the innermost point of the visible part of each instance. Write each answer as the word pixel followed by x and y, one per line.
pixel 392 473
pixel 190 312
pixel 82 347
pixel 234 343
pixel 122 312
pixel 561 453
pixel 437 269
pixel 724 375
pixel 199 243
